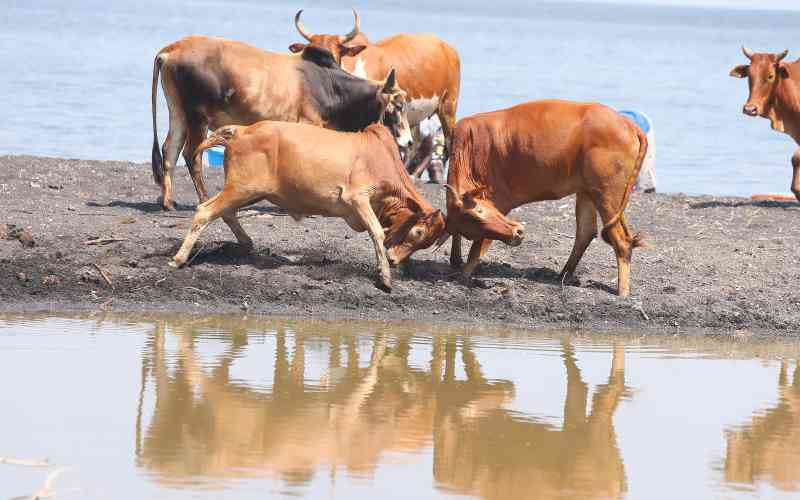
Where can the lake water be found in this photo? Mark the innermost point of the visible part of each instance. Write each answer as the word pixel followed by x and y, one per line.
pixel 225 407
pixel 77 76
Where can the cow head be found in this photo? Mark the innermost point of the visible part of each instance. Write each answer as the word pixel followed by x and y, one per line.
pixel 395 114
pixel 476 217
pixel 416 232
pixel 764 73
pixel 338 45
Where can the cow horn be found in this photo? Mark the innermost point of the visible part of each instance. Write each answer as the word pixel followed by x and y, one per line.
pixel 457 197
pixel 390 82
pixel 300 27
pixel 356 28
pixel 441 241
pixel 747 52
pixel 782 55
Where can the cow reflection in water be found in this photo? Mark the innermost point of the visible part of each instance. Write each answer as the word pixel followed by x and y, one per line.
pixel 768 447
pixel 206 424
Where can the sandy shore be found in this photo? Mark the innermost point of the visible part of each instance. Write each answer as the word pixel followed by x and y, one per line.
pixel 716 264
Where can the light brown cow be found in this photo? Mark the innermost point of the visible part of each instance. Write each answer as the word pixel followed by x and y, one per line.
pixel 544 150
pixel 428 69
pixel 213 82
pixel 309 170
pixel 774 94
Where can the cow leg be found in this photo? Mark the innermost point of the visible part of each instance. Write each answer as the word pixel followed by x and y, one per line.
pixel 176 138
pixel 197 134
pixel 241 236
pixel 224 204
pixel 585 231
pixel 456 260
pixel 447 117
pixel 620 239
pixel 796 174
pixel 476 252
pixel 364 211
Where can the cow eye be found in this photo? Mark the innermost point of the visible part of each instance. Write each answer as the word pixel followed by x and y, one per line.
pixel 771 76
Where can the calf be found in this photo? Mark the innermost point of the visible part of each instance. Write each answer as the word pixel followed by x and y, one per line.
pixel 213 82
pixel 309 170
pixel 775 95
pixel 544 150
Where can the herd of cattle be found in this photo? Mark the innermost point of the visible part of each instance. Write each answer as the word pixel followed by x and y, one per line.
pixel 323 130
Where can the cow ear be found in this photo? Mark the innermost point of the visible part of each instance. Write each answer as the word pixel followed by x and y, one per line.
pixel 353 51
pixel 740 71
pixel 783 71
pixel 297 47
pixel 456 197
pixel 390 83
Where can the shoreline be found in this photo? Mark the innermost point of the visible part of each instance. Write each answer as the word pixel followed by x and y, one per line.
pixel 716 264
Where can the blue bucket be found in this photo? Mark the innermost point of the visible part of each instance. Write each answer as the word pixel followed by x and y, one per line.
pixel 216 156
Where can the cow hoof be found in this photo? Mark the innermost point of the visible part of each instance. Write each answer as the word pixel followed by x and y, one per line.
pixel 384 286
pixel 174 264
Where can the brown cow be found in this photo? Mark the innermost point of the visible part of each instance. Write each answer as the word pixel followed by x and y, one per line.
pixel 428 69
pixel 544 150
pixel 309 170
pixel 774 94
pixel 212 82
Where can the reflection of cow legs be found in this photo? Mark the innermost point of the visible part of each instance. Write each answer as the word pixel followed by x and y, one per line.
pixel 577 390
pixel 585 231
pixel 796 174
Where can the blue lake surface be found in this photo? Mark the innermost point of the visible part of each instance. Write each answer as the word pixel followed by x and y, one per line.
pixel 77 76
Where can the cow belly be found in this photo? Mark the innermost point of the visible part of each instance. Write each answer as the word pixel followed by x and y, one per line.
pixel 421 108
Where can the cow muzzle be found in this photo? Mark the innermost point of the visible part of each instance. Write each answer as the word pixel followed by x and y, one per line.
pixel 517 235
pixel 750 110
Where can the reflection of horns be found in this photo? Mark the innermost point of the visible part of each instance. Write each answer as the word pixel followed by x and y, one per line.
pixel 748 53
pixel 356 28
pixel 300 27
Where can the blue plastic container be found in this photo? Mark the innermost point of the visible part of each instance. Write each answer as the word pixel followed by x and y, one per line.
pixel 215 156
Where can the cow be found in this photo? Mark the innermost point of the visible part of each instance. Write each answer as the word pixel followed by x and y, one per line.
pixel 428 69
pixel 544 150
pixel 774 94
pixel 357 176
pixel 213 82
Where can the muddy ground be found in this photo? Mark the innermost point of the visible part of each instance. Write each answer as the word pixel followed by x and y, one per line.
pixel 715 263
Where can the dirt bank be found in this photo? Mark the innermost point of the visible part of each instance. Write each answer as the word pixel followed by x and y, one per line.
pixel 722 263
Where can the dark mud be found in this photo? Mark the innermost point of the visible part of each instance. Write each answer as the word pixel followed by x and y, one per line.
pixel 86 235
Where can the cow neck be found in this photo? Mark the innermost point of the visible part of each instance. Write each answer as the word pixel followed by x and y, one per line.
pixel 402 200
pixel 786 105
pixel 345 102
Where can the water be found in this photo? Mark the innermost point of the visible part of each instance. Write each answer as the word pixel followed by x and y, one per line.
pixel 189 407
pixel 77 78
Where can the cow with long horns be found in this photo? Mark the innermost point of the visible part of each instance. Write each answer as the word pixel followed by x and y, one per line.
pixel 428 69
pixel 775 95
pixel 212 82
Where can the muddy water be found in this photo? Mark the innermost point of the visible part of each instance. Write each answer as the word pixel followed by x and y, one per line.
pixel 182 407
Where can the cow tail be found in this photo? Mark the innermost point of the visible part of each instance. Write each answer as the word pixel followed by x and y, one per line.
pixel 220 137
pixel 637 240
pixel 158 160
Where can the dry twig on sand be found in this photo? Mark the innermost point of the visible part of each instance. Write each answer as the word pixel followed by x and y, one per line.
pixel 105 274
pixel 104 241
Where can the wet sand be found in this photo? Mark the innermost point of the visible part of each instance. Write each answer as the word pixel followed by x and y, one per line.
pixel 715 264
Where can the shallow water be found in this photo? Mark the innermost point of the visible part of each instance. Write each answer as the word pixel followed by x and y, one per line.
pixel 78 75
pixel 222 407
